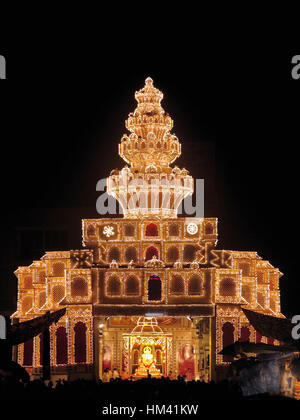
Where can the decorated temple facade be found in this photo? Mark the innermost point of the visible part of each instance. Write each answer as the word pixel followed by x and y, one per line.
pixel 149 292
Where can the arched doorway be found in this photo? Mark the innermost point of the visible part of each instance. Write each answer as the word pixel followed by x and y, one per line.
pixel 154 288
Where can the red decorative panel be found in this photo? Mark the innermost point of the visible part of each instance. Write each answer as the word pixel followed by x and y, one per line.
pixel 245 334
pixel 106 358
pixel 28 353
pixel 41 348
pixel 186 365
pixel 61 346
pixel 151 230
pixel 150 252
pixel 227 339
pixel 80 342
pixel 258 337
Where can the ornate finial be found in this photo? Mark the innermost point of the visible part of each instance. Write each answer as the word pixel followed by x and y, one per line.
pixel 149 81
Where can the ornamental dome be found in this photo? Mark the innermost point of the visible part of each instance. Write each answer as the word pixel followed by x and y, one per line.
pixel 146 325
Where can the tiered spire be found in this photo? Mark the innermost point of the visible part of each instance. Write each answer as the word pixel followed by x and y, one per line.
pixel 150 141
pixel 149 186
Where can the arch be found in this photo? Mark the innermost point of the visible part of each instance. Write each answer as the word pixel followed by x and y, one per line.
pixel 172 254
pixel 150 252
pixel 245 334
pixel 227 287
pixel 114 286
pixel 80 342
pixel 79 287
pixel 189 253
pixel 151 230
pixel 28 353
pixel 177 285
pixel 209 229
pixel 114 254
pixel 195 285
pixel 132 286
pixel 58 293
pixel 58 269
pixel 61 346
pixel 131 254
pixel 227 339
pixel 154 288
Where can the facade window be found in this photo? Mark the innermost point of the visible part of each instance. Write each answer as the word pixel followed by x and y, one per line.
pixel 132 286
pixel 58 269
pixel 114 286
pixel 172 254
pixel 131 254
pixel 79 287
pixel 189 253
pixel 177 285
pixel 227 287
pixel 195 285
pixel 114 254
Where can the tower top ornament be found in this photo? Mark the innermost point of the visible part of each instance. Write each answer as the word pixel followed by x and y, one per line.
pixel 150 141
pixel 148 185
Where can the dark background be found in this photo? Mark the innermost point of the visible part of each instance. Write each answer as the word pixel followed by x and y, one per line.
pixel 236 112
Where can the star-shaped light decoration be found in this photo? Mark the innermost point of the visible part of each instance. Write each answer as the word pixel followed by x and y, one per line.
pixel 108 231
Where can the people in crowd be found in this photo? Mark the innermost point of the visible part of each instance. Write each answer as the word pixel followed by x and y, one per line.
pixel 115 374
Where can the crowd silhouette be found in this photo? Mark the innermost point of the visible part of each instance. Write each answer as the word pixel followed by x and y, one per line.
pixel 120 391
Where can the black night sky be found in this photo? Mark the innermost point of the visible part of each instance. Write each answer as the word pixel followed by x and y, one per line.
pixel 236 112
